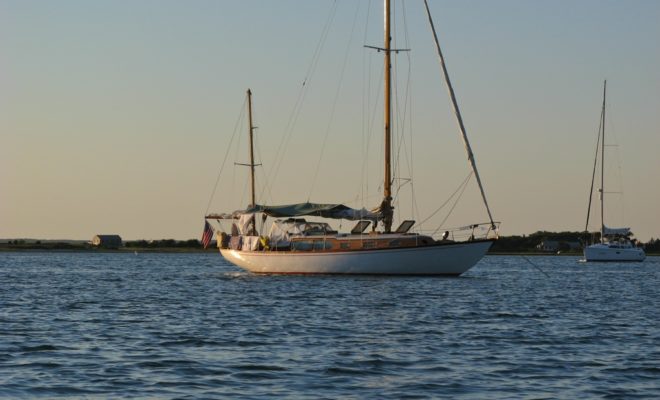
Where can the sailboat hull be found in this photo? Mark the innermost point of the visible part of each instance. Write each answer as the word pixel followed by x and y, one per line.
pixel 444 259
pixel 603 252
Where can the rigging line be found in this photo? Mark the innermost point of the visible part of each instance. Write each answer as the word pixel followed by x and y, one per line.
pixel 244 181
pixel 366 128
pixel 623 202
pixel 321 43
pixel 535 266
pixel 372 115
pixel 394 90
pixel 237 148
pixel 266 186
pixel 612 133
pixel 363 84
pixel 265 199
pixel 302 93
pixel 334 103
pixel 465 181
pixel 401 122
pixel 366 73
pixel 244 195
pixel 358 198
pixel 457 112
pixel 287 131
pixel 264 177
pixel 398 189
pixel 222 166
pixel 411 160
pixel 409 103
pixel 280 154
pixel 401 117
pixel 451 209
pixel 593 174
pixel 404 118
pixel 602 168
pixel 414 205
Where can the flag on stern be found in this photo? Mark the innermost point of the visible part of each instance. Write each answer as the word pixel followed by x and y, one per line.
pixel 207 235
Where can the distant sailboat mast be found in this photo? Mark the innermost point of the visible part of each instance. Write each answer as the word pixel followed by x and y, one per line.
pixel 593 173
pixel 618 246
pixel 602 169
pixel 600 145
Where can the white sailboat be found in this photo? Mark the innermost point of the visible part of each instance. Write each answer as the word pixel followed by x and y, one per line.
pixel 295 245
pixel 616 244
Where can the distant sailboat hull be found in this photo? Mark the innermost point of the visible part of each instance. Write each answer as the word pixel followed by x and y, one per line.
pixel 605 252
pixel 443 259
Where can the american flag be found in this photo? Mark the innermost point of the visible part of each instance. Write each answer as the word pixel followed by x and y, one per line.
pixel 207 235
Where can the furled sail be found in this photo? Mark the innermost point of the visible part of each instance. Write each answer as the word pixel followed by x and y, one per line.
pixel 336 211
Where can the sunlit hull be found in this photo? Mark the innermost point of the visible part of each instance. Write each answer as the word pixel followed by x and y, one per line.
pixel 445 259
pixel 601 252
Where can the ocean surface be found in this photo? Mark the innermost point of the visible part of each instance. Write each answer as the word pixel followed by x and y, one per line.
pixel 189 326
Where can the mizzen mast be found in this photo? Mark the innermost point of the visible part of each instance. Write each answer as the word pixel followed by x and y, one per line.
pixel 251 129
pixel 252 165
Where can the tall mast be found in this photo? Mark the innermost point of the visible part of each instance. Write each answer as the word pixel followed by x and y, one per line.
pixel 251 129
pixel 602 169
pixel 593 173
pixel 386 206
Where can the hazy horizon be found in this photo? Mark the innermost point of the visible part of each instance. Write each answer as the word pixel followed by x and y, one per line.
pixel 115 116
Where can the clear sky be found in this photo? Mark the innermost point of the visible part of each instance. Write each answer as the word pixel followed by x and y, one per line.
pixel 116 115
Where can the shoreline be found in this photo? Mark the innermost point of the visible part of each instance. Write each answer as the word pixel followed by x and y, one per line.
pixel 174 250
pixel 92 250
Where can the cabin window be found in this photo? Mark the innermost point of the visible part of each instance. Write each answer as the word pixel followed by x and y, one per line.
pixel 302 245
pixel 344 245
pixel 405 226
pixel 395 243
pixel 368 244
pixel 322 245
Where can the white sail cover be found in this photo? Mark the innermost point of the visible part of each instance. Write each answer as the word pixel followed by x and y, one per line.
pixel 335 211
pixel 250 243
pixel 245 223
pixel 281 231
pixel 616 231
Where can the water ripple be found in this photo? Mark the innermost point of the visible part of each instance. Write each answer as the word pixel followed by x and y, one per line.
pixel 188 326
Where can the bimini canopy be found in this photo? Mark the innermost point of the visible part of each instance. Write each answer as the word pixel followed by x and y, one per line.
pixel 616 231
pixel 335 211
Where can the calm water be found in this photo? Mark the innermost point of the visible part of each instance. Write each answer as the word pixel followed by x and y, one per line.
pixel 191 326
